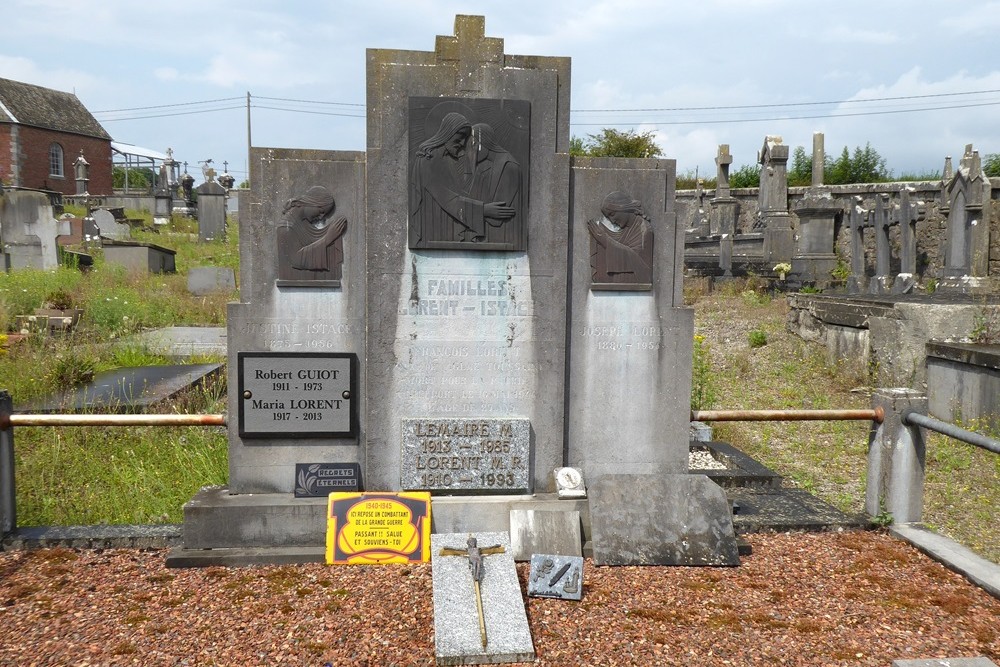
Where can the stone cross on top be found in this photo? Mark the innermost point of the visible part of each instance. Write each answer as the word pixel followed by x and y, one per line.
pixel 470 50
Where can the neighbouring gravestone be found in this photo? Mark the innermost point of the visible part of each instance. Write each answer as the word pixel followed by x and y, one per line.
pixel 140 257
pixel 29 231
pixel 631 335
pixel 661 520
pixel 204 280
pixel 556 576
pixel 466 301
pixel 211 211
pixel 108 227
pixel 461 635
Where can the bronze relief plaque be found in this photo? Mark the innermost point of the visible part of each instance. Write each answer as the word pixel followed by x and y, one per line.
pixel 468 173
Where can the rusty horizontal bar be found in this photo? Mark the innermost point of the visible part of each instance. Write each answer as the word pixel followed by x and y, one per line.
pixel 876 415
pixel 112 420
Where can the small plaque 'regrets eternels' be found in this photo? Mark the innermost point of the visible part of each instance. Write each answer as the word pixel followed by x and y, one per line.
pixel 468 455
pixel 300 395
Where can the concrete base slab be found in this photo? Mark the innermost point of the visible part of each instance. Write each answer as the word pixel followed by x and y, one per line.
pixel 457 639
pixel 181 557
pixel 975 568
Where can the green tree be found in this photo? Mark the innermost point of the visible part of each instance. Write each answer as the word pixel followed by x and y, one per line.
pixel 576 146
pixel 991 164
pixel 138 178
pixel 747 176
pixel 800 172
pixel 621 143
pixel 864 166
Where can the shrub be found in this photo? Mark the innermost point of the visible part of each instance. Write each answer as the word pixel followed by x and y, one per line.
pixel 758 338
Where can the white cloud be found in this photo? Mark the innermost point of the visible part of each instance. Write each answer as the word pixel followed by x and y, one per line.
pixel 28 71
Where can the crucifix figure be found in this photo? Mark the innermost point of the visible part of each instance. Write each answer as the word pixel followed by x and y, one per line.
pixel 475 555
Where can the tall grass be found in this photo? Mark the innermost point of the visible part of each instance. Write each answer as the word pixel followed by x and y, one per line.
pixel 829 459
pixel 87 475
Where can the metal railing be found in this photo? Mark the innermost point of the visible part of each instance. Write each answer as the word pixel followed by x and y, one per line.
pixel 911 418
pixel 876 415
pixel 8 504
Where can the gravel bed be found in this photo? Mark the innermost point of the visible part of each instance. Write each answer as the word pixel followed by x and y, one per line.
pixel 851 598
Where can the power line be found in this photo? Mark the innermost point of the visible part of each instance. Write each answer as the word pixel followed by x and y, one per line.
pixel 287 99
pixel 169 115
pixel 785 118
pixel 177 104
pixel 320 113
pixel 791 104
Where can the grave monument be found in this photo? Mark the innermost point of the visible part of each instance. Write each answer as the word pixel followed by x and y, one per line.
pixel 410 311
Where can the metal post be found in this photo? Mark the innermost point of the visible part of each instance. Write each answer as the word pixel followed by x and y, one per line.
pixel 8 494
pixel 896 455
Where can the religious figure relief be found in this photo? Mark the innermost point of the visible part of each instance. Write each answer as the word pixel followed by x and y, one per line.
pixel 621 245
pixel 468 176
pixel 310 246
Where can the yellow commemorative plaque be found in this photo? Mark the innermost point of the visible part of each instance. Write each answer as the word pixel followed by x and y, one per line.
pixel 377 528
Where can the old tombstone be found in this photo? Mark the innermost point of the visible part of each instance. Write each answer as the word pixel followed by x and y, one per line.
pixel 965 200
pixel 631 340
pixel 211 211
pixel 436 266
pixel 466 327
pixel 29 231
pixel 108 227
pixel 772 201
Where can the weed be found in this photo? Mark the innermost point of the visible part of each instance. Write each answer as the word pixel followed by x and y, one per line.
pixel 986 326
pixel 702 382
pixel 73 367
pixel 757 338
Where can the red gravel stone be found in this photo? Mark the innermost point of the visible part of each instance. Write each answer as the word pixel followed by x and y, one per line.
pixel 851 598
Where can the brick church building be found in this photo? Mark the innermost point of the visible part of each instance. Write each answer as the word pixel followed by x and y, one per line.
pixel 42 132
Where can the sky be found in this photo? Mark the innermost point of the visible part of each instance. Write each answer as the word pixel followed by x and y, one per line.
pixel 918 80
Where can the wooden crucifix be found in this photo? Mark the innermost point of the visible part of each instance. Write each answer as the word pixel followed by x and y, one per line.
pixel 475 555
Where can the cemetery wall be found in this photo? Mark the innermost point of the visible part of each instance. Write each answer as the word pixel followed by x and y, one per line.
pixel 33 160
pixel 930 230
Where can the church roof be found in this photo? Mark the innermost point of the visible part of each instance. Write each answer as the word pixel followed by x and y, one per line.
pixel 27 104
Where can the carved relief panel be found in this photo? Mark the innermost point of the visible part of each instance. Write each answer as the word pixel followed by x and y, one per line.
pixel 468 173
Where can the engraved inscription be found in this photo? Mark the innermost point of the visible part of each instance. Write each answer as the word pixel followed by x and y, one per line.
pixel 296 394
pixel 488 455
